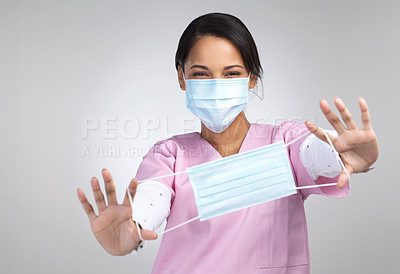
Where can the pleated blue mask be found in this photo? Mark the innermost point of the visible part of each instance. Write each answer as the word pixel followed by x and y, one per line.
pixel 242 180
pixel 217 102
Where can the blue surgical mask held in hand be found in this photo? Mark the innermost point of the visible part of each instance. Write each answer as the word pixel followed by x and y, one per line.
pixel 217 102
pixel 242 180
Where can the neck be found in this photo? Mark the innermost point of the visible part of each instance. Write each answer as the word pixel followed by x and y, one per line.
pixel 230 140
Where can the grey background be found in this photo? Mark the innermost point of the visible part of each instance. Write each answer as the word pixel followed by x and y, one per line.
pixel 62 61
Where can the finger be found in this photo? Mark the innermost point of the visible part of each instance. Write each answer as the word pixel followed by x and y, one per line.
pixel 98 195
pixel 132 190
pixel 343 178
pixel 331 116
pixel 86 205
pixel 133 187
pixel 126 201
pixel 318 132
pixel 110 188
pixel 345 113
pixel 365 114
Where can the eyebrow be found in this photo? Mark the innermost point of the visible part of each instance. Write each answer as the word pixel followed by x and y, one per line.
pixel 206 68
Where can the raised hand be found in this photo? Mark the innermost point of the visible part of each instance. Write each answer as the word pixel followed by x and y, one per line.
pixel 358 148
pixel 113 228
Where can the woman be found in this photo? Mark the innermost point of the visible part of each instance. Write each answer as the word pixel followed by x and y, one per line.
pixel 217 51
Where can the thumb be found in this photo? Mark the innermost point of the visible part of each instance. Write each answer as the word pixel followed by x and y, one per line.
pixel 343 178
pixel 148 234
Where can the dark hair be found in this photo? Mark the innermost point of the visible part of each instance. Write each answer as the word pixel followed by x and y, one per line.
pixel 220 25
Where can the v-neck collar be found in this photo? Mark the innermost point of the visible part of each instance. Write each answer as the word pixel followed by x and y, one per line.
pixel 242 146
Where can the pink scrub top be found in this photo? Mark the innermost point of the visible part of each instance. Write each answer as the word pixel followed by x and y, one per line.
pixel 266 238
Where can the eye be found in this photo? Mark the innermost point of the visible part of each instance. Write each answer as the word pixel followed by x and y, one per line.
pixel 199 74
pixel 233 73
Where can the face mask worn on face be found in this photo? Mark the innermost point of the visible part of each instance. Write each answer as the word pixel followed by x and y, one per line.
pixel 242 180
pixel 217 102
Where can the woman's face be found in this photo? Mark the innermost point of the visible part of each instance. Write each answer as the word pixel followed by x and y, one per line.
pixel 214 57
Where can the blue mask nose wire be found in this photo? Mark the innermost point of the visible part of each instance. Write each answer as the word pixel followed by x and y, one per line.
pixel 248 80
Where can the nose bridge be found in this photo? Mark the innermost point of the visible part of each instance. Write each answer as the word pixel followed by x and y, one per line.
pixel 219 75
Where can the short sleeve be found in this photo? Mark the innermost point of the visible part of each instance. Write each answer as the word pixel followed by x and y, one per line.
pixel 290 131
pixel 159 161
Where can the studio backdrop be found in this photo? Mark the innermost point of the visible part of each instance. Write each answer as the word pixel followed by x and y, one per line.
pixel 87 85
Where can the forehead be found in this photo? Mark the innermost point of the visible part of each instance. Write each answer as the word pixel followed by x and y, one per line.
pixel 214 51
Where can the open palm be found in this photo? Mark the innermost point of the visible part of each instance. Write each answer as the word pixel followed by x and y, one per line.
pixel 113 228
pixel 358 148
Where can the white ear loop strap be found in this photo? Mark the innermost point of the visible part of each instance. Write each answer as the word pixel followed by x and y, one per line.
pixel 185 171
pixel 298 138
pixel 136 222
pixel 172 228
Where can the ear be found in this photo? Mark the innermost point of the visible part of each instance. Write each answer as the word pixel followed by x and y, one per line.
pixel 253 81
pixel 180 79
